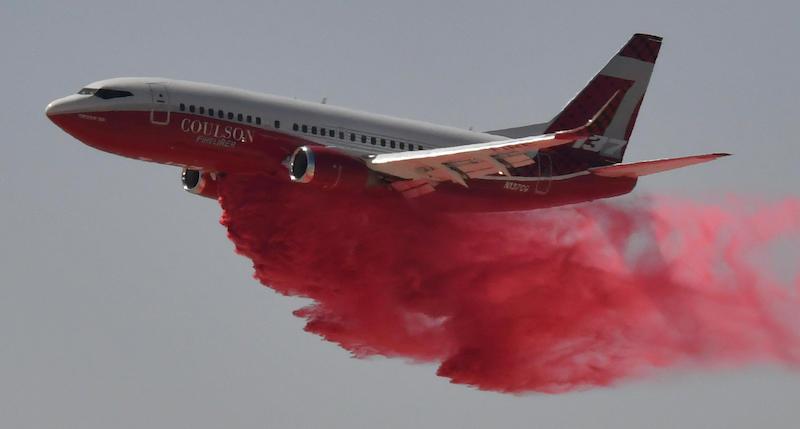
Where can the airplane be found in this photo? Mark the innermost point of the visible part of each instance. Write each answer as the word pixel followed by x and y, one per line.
pixel 211 131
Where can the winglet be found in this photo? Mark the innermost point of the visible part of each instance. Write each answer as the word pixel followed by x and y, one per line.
pixel 593 125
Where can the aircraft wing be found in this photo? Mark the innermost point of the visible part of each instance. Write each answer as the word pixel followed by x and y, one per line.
pixel 467 161
pixel 458 163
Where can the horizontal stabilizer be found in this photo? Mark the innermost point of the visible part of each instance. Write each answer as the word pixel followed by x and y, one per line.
pixel 643 168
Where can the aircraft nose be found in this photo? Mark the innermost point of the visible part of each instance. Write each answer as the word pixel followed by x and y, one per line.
pixel 53 108
pixel 69 104
pixel 61 112
pixel 60 106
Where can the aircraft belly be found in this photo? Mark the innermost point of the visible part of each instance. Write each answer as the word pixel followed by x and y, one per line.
pixel 511 195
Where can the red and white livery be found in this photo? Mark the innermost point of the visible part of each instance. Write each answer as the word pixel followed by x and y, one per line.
pixel 211 131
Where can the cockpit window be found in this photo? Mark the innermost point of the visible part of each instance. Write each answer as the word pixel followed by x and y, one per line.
pixel 87 91
pixel 112 93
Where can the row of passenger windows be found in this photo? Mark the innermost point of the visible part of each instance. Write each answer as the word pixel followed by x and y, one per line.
pixel 219 113
pixel 354 137
pixel 321 131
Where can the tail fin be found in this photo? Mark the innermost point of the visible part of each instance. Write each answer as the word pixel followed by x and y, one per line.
pixel 627 74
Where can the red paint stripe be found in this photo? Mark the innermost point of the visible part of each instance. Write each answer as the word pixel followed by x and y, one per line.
pixel 589 101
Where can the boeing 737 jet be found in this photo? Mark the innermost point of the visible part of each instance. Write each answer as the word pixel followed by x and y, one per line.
pixel 211 131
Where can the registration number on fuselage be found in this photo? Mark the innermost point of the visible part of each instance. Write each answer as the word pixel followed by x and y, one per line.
pixel 519 187
pixel 215 134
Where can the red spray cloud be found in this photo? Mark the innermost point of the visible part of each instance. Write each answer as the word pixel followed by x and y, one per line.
pixel 549 300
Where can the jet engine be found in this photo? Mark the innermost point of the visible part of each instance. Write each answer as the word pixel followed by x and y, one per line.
pixel 328 168
pixel 200 183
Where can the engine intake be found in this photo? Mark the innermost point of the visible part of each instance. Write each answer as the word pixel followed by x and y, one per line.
pixel 200 183
pixel 327 168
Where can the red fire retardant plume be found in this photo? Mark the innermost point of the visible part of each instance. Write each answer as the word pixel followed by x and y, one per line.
pixel 549 300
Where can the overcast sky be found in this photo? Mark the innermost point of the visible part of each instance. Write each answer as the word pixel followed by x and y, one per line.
pixel 123 305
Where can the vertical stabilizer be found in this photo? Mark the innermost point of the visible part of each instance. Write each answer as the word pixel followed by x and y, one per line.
pixel 627 75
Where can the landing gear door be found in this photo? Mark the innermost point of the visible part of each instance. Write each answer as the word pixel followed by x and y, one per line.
pixel 159 114
pixel 545 173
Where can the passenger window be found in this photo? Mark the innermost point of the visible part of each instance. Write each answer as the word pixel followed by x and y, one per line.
pixel 249 119
pixel 341 135
pixel 230 116
pixel 352 137
pixel 314 130
pixel 383 142
pixel 201 110
pixel 419 147
pixel 323 132
pixel 220 114
pixel 305 128
pixel 210 112
pixel 277 124
pixel 402 145
pixel 331 133
pixel 391 143
pixel 372 140
pixel 191 108
pixel 295 127
pixel 240 117
pixel 182 107
pixel 363 139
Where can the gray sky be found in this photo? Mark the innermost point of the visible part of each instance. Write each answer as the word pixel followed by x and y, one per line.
pixel 123 305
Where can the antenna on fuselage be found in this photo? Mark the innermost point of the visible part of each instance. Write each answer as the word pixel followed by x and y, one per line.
pixel 324 100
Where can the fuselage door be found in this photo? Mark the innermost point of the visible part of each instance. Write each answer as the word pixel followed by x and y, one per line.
pixel 159 114
pixel 545 173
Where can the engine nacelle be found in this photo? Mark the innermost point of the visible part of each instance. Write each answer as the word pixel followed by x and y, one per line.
pixel 328 168
pixel 200 183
